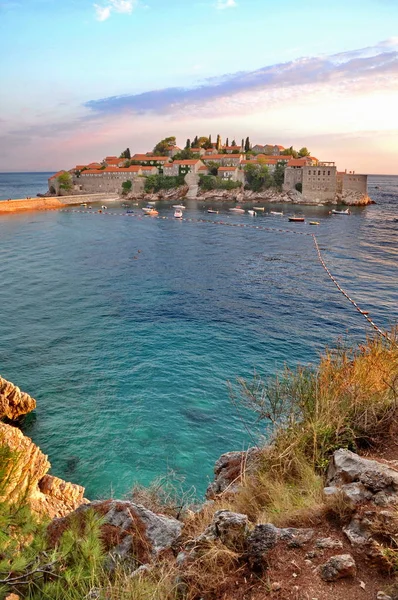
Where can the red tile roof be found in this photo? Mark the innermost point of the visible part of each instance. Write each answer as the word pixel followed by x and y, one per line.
pixel 228 168
pixel 297 162
pixel 57 174
pixel 193 161
pixel 221 156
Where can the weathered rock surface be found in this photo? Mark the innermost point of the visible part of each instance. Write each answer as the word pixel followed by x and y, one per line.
pixel 27 475
pixel 228 471
pixel 266 536
pixel 13 402
pixel 361 479
pixel 131 533
pixel 338 567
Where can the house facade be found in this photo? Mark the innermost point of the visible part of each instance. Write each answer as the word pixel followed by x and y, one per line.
pixel 231 173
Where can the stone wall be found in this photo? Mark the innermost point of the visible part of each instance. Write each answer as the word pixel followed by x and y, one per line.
pixel 355 183
pixel 320 183
pixel 292 177
pixel 12 206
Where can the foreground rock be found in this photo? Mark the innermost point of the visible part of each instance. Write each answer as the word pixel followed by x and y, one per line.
pixel 13 402
pixel 361 479
pixel 26 475
pixel 131 533
pixel 338 567
pixel 229 469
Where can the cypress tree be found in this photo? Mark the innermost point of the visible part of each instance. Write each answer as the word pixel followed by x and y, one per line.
pixel 188 144
pixel 247 145
pixel 227 142
pixel 219 142
pixel 233 143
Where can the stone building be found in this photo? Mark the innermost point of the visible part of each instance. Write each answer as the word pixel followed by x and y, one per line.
pixel 225 160
pixel 110 179
pixel 320 183
pixel 182 167
pixel 231 173
pixel 352 182
pixel 293 176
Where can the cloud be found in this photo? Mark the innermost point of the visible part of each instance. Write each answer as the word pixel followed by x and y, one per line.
pixel 119 6
pixel 222 4
pixel 357 70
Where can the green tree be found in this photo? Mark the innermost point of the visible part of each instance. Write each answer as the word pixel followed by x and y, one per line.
pixel 279 174
pixel 227 142
pixel 213 167
pixel 162 147
pixel 247 145
pixel 242 144
pixel 233 143
pixel 195 143
pixel 304 152
pixel 290 152
pixel 126 186
pixel 185 154
pixel 65 181
pixel 258 177
pixel 126 154
pixel 188 144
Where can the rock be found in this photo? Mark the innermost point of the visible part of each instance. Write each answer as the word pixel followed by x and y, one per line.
pixel 13 402
pixel 276 586
pixel 45 494
pixel 265 537
pixel 362 479
pixel 230 528
pixel 357 531
pixel 131 533
pixel 338 567
pixel 383 596
pixel 229 469
pixel 328 544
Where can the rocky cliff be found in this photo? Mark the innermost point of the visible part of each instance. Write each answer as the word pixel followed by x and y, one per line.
pixel 25 473
pixel 13 402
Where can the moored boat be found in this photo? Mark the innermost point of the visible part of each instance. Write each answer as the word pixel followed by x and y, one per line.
pixel 178 213
pixel 314 223
pixel 297 219
pixel 274 212
pixel 341 212
pixel 151 203
pixel 214 212
pixel 252 213
pixel 237 210
pixel 147 209
pixel 180 206
pixel 152 213
pixel 258 208
pixel 104 207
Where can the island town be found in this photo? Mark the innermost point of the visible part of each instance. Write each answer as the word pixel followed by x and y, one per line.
pixel 216 169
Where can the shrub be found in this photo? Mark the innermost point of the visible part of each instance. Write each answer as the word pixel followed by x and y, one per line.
pixel 209 182
pixel 126 186
pixel 156 183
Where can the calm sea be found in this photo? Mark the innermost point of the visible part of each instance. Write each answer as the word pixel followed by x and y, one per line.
pixel 127 330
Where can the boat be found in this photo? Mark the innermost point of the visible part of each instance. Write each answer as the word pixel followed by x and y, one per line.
pixel 314 223
pixel 84 204
pixel 147 209
pixel 178 213
pixel 151 203
pixel 252 213
pixel 341 212
pixel 180 206
pixel 297 219
pixel 152 213
pixel 274 212
pixel 129 212
pixel 104 207
pixel 258 208
pixel 237 210
pixel 213 212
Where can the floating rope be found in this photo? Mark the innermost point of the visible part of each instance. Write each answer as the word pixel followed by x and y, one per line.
pixel 364 313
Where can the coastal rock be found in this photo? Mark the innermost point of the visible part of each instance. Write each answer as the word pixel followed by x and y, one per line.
pixel 131 533
pixel 338 567
pixel 228 471
pixel 362 479
pixel 26 475
pixel 265 537
pixel 13 402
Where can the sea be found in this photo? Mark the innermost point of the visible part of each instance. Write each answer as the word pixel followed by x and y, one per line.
pixel 131 332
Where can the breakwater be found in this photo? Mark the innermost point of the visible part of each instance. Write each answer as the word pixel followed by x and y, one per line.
pixel 51 203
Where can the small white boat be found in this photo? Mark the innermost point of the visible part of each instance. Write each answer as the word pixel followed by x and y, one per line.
pixel 84 204
pixel 341 212
pixel 104 207
pixel 147 209
pixel 211 211
pixel 237 210
pixel 274 212
pixel 151 203
pixel 178 213
pixel 180 206
pixel 258 208
pixel 252 213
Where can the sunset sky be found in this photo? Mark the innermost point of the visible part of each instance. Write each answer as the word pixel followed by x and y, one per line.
pixel 83 79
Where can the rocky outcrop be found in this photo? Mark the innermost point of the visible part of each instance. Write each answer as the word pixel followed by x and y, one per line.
pixel 131 533
pixel 362 480
pixel 13 402
pixel 229 469
pixel 26 477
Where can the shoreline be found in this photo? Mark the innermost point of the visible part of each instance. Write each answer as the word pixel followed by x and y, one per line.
pixel 49 203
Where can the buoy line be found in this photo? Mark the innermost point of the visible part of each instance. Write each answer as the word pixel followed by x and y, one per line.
pixel 260 228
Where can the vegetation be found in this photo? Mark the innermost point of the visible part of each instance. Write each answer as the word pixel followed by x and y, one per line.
pixel 162 147
pixel 258 177
pixel 156 183
pixel 299 187
pixel 126 154
pixel 65 181
pixel 126 187
pixel 210 182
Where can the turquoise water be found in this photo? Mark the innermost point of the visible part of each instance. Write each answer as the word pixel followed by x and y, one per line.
pixel 127 330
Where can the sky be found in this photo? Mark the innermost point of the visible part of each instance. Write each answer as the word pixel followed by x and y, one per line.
pixel 82 79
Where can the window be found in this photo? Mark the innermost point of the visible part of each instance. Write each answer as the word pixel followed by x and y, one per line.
pixel 329 173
